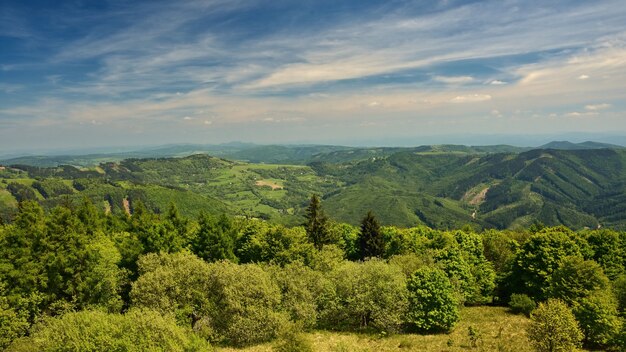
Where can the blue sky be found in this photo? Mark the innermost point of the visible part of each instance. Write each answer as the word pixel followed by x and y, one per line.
pixel 106 73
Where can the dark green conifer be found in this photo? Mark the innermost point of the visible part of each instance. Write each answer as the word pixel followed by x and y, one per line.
pixel 371 241
pixel 316 223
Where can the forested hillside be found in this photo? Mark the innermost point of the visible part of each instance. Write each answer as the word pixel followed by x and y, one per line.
pixel 441 187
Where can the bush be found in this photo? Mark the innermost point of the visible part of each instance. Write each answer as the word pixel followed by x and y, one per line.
pixel 522 304
pixel 226 302
pixel 304 292
pixel 368 295
pixel 553 327
pixel 175 284
pixel 293 340
pixel 245 304
pixel 137 330
pixel 432 303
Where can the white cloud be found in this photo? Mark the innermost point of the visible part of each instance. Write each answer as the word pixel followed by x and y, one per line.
pixel 471 98
pixel 583 77
pixel 594 107
pixel 188 118
pixel 497 82
pixel 576 114
pixel 454 79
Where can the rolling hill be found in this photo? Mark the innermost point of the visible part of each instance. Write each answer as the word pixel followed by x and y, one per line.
pixel 440 186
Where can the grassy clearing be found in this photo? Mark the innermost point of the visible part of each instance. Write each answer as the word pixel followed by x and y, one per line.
pixel 498 330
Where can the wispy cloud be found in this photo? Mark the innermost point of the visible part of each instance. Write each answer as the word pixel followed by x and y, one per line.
pixel 454 79
pixel 594 107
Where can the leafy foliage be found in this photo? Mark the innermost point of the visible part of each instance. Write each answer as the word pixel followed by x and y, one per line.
pixel 137 330
pixel 554 327
pixel 521 303
pixel 432 303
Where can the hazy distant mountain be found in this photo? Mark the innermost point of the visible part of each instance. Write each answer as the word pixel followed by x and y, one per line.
pixel 566 145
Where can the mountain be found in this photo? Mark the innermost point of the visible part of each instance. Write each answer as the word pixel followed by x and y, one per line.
pixel 565 145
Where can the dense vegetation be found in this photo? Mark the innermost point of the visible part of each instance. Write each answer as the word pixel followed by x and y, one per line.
pixel 442 187
pixel 79 278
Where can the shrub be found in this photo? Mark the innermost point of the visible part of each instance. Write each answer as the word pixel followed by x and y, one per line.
pixel 137 330
pixel 522 304
pixel 553 327
pixel 303 291
pixel 226 302
pixel 368 295
pixel 432 303
pixel 293 340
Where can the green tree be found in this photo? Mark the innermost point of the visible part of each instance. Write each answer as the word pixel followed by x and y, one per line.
pixel 316 224
pixel 371 240
pixel 13 323
pixel 619 287
pixel 576 279
pixel 432 303
pixel 608 251
pixel 538 258
pixel 554 328
pixel 215 239
pixel 598 318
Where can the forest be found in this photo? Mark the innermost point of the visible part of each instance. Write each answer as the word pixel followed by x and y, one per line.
pixel 79 278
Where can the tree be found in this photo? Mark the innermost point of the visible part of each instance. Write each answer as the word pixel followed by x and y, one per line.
pixel 554 328
pixel 215 239
pixel 576 279
pixel 371 240
pixel 538 258
pixel 598 319
pixel 316 224
pixel 432 302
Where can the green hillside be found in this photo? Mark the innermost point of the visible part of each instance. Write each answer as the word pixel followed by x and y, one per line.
pixel 441 186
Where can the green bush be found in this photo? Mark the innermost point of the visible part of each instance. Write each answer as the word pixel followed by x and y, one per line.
pixel 553 327
pixel 522 304
pixel 368 295
pixel 137 330
pixel 226 302
pixel 432 303
pixel 293 340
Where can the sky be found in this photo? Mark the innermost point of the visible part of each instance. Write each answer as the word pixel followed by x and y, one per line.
pixel 83 74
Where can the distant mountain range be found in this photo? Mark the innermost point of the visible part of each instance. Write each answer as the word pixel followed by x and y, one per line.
pixel 276 154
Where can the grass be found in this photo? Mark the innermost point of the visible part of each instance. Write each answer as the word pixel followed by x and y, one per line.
pixel 497 330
